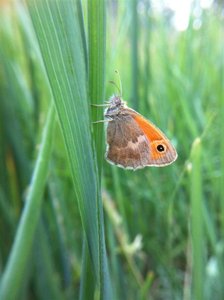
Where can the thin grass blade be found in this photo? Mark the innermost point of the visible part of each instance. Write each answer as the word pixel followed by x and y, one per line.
pixel 198 261
pixel 13 274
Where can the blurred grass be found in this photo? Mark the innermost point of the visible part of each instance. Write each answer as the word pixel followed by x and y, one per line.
pixel 178 211
pixel 196 230
pixel 134 53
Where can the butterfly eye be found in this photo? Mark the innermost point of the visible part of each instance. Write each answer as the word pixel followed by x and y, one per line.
pixel 161 148
pixel 117 100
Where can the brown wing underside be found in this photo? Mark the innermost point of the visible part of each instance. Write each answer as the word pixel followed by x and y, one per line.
pixel 132 143
pixel 127 144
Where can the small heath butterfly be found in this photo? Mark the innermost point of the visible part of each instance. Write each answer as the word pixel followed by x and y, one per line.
pixel 134 142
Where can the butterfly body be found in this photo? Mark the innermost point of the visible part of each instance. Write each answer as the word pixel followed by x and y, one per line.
pixel 134 142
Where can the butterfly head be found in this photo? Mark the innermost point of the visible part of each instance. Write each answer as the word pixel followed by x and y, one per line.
pixel 115 106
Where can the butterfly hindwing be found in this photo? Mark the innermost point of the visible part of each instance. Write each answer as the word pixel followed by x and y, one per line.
pixel 162 151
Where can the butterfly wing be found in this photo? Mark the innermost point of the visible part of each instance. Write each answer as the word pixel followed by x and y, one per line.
pixel 162 152
pixel 134 142
pixel 128 147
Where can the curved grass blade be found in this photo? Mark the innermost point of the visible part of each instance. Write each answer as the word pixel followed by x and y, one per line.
pixel 13 274
pixel 57 27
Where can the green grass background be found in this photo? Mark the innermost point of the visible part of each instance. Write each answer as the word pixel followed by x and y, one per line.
pixel 73 226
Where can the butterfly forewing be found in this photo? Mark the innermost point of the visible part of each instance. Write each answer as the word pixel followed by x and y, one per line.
pixel 127 145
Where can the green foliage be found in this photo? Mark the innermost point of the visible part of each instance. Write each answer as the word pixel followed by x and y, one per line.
pixel 164 228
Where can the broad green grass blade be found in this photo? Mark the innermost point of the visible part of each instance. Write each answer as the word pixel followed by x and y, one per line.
pixel 57 27
pixel 97 47
pixel 96 67
pixel 14 272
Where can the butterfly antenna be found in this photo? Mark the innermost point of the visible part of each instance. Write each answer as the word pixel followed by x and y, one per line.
pixel 112 82
pixel 120 84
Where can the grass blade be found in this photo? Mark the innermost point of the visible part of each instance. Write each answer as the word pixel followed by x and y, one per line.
pixel 13 274
pixel 58 30
pixel 197 222
pixel 134 54
pixel 97 48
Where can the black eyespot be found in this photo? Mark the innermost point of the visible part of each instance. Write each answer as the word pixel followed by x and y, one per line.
pixel 160 148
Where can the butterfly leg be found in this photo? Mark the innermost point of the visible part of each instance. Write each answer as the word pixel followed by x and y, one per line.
pixel 102 121
pixel 100 105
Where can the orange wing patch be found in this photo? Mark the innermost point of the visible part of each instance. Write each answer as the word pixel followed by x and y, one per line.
pixel 149 129
pixel 154 135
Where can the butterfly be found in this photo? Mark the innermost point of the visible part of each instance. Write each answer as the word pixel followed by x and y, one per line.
pixel 133 142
